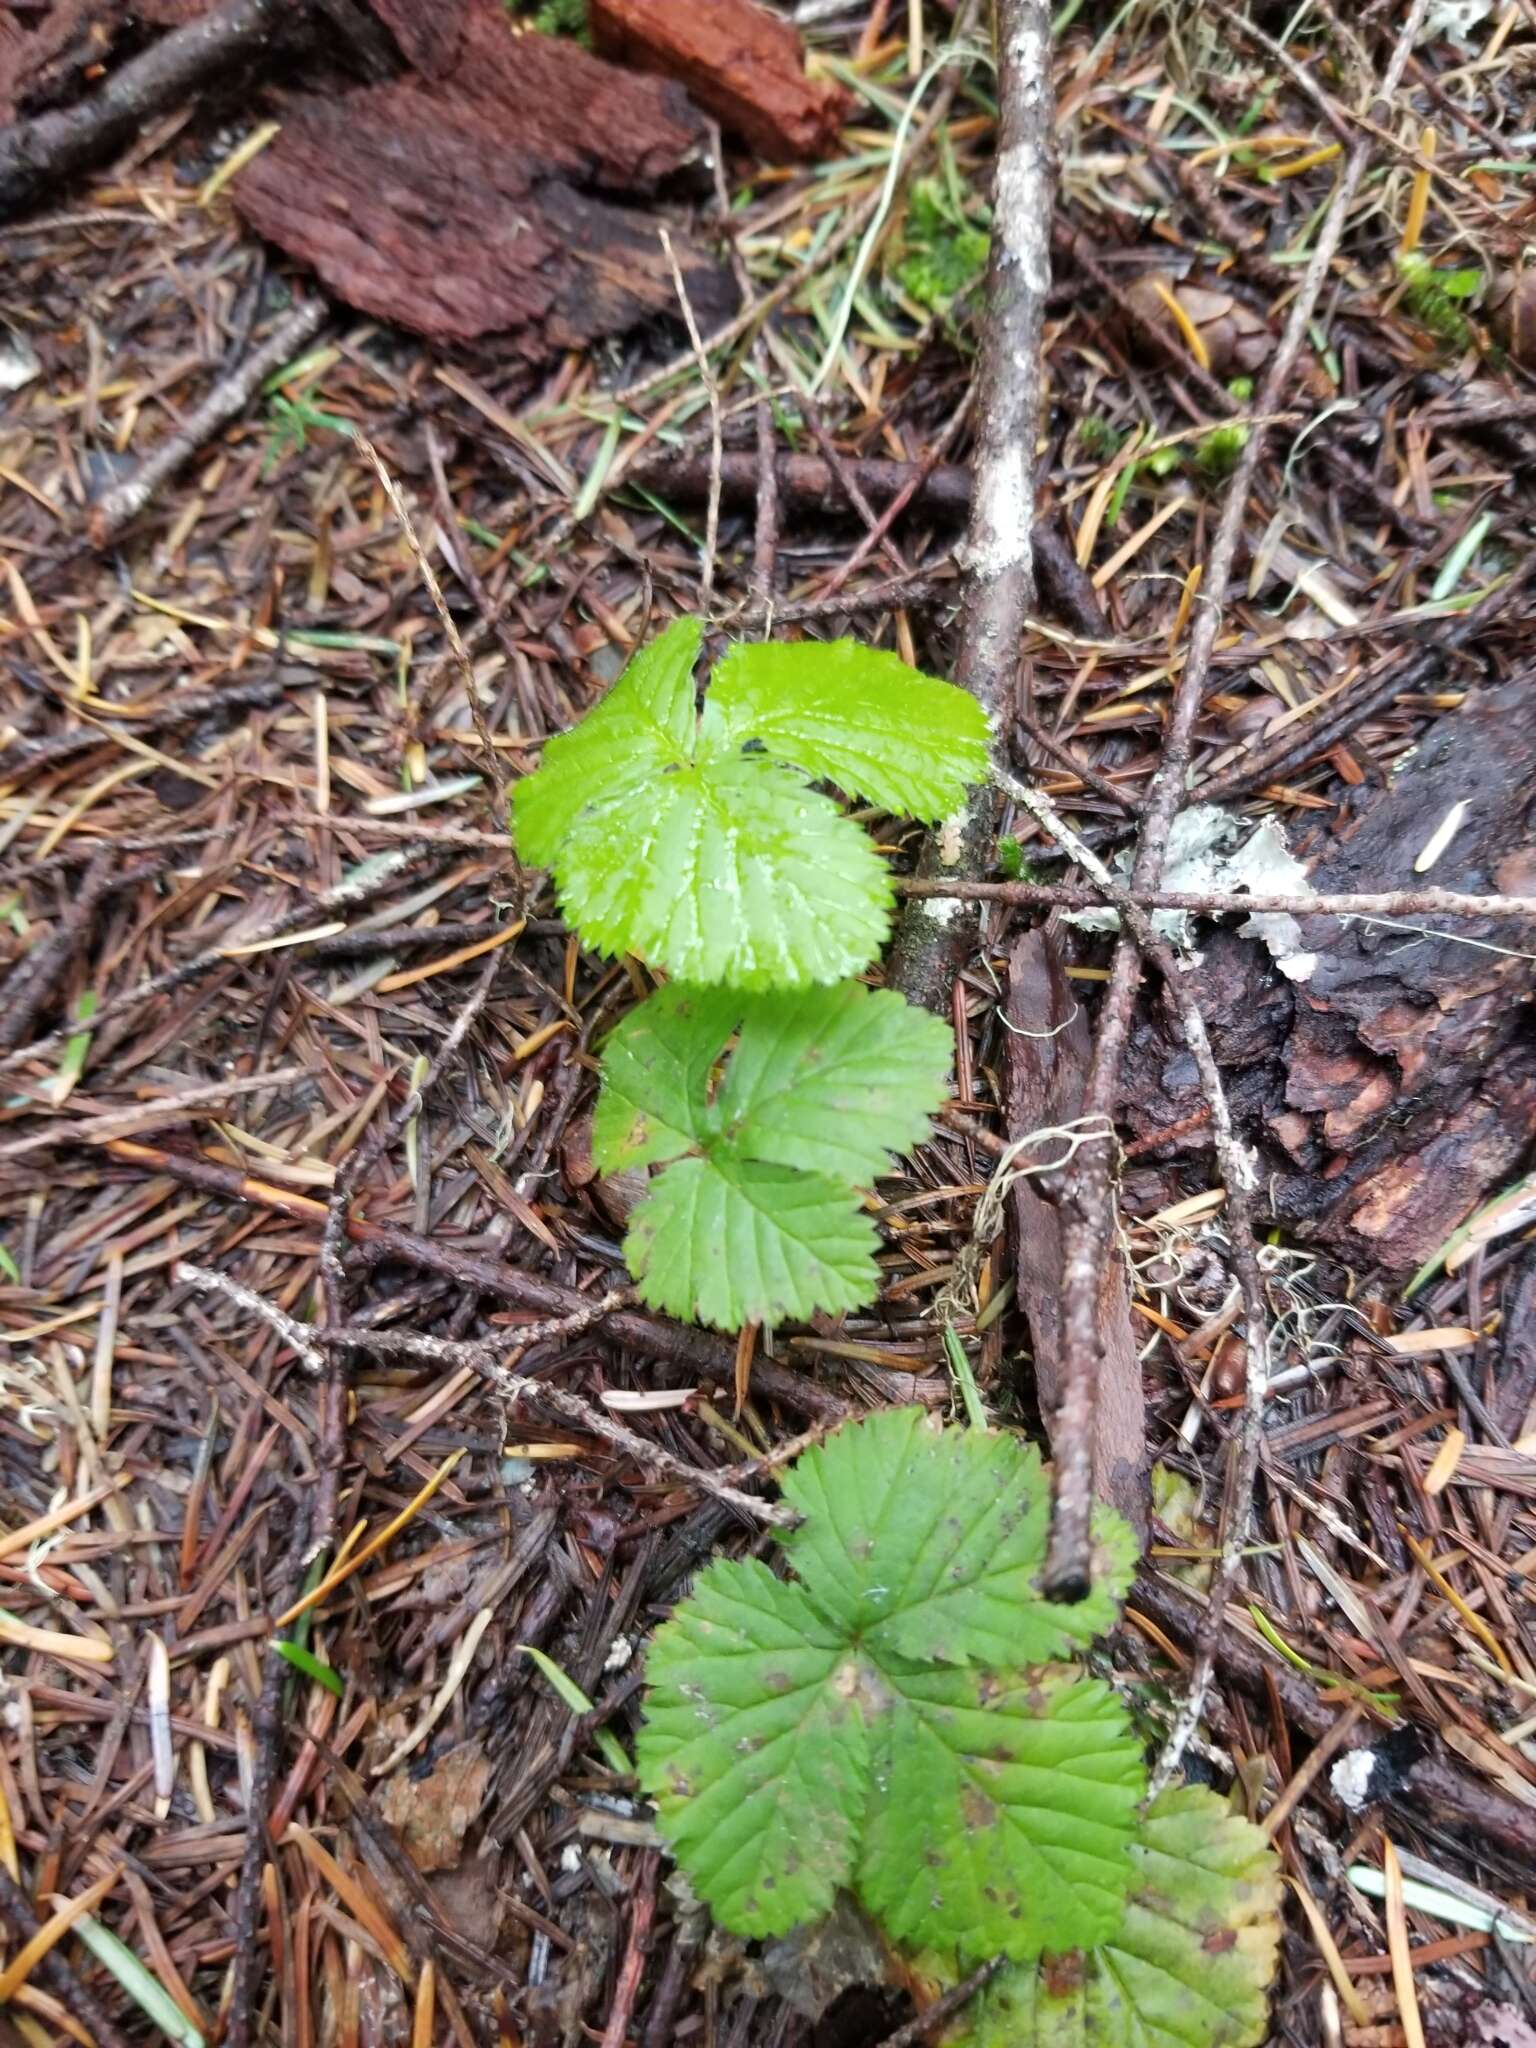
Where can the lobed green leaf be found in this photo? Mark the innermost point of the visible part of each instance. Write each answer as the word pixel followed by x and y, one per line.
pixel 857 717
pixel 1011 1805
pixel 754 1748
pixel 773 1109
pixel 726 1241
pixel 929 1544
pixel 701 845
pixel 1188 1967
pixel 975 1813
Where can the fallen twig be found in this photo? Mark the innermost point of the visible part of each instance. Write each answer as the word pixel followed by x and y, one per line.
pixel 520 1389
pixel 1238 1171
pixel 297 1336
pixel 229 397
pixel 1221 903
pixel 958 1996
pixel 1089 1204
pixel 998 586
pixel 36 155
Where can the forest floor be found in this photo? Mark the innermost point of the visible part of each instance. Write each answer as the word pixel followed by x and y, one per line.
pixel 300 1065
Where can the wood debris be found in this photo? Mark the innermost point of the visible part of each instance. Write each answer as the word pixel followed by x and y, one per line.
pixel 483 200
pixel 745 65
pixel 1396 1087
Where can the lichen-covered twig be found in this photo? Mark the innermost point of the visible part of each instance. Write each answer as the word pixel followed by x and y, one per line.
pixel 228 398
pixel 998 586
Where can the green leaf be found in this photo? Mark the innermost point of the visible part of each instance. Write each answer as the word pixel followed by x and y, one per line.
pixel 658 1076
pixel 773 1109
pixel 928 1544
pixel 701 846
pixel 141 1985
pixel 1189 1966
pixel 857 717
pixel 974 1812
pixel 312 1666
pixel 642 727
pixel 725 1241
pixel 1010 1813
pixel 832 1080
pixel 754 1750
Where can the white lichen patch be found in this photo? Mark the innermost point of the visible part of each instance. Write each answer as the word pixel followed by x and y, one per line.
pixel 1208 855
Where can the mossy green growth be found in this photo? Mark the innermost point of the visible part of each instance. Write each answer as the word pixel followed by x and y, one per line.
pixel 1437 298
pixel 556 17
pixel 945 249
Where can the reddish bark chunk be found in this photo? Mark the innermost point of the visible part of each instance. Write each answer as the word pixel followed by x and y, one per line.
pixel 457 206
pixel 428 32
pixel 738 60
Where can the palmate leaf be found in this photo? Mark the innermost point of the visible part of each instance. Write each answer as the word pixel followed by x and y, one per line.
pixel 757 1218
pixel 701 845
pixel 753 1748
pixel 1007 1825
pixel 722 1240
pixel 974 1813
pixel 929 1544
pixel 857 717
pixel 1188 1967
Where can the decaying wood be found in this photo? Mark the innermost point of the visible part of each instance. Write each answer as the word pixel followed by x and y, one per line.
pixel 468 205
pixel 36 154
pixel 1090 1200
pixel 1048 1049
pixel 1395 1088
pixel 745 65
pixel 430 33
pixel 43 57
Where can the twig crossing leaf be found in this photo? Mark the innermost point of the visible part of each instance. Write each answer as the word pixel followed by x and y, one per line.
pixel 793 1747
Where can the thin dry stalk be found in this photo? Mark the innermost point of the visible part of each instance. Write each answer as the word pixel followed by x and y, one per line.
pixel 998 586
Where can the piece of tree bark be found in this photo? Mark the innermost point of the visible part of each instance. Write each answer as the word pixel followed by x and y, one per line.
pixel 1394 1089
pixel 569 111
pixel 35 155
pixel 40 63
pixel 429 32
pixel 461 205
pixel 1048 1049
pixel 745 65
pixel 413 205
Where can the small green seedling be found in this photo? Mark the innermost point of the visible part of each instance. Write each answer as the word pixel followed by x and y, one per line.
pixel 291 421
pixel 898 1721
pixel 1437 299
pixel 770 1086
pixel 699 843
pixel 945 251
